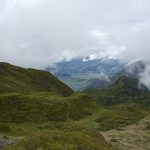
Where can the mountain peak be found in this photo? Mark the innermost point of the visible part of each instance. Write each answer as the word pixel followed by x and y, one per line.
pixel 127 86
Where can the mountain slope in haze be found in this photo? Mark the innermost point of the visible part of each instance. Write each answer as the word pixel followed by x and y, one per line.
pixel 124 89
pixel 126 86
pixel 80 73
pixel 17 79
pixel 131 70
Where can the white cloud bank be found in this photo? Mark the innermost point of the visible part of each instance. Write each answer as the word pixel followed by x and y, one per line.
pixel 36 33
pixel 145 76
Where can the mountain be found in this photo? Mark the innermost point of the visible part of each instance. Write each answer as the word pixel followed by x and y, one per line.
pixel 126 86
pixel 79 73
pixel 17 79
pixel 99 83
pixel 131 70
pixel 124 89
pixel 80 66
pixel 95 74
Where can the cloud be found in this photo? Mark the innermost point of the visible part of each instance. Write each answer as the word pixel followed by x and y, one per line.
pixel 145 77
pixel 37 33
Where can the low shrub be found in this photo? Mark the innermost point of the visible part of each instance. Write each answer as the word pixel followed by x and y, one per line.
pixel 4 128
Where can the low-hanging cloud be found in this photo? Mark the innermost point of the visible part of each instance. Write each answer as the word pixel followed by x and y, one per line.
pixel 37 33
pixel 144 77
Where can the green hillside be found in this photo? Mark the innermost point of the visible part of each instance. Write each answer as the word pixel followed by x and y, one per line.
pixel 64 140
pixel 20 80
pixel 125 89
pixel 126 86
pixel 37 107
pixel 125 102
pixel 26 92
pixel 36 110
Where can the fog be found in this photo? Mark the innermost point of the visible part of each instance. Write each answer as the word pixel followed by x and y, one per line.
pixel 37 33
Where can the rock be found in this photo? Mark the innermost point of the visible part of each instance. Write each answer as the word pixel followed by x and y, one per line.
pixel 113 140
pixel 5 142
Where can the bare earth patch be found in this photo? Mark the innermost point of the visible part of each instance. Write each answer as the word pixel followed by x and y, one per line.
pixel 133 137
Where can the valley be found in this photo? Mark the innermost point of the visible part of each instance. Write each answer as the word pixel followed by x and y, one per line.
pixel 81 73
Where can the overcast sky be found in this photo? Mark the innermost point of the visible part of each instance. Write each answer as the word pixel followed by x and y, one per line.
pixel 36 33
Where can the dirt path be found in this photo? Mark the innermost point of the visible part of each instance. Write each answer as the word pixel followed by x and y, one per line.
pixel 134 137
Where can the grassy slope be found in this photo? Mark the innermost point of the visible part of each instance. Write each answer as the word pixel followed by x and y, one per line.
pixel 125 103
pixel 123 90
pixel 51 122
pixel 72 135
pixel 63 140
pixel 120 116
pixel 112 118
pixel 18 108
pixel 29 95
pixel 34 103
pixel 17 79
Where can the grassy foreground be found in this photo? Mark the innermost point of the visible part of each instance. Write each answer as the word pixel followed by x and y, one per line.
pixel 82 134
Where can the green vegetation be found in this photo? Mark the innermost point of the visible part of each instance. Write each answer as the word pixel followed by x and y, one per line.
pixel 125 86
pixel 29 95
pixel 18 108
pixel 38 110
pixel 120 116
pixel 125 103
pixel 41 113
pixel 63 140
pixel 19 80
pixel 4 128
pixel 76 134
pixel 124 90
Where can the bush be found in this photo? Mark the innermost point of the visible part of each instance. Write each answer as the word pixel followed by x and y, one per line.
pixel 147 126
pixel 59 125
pixel 60 141
pixel 113 140
pixel 119 116
pixel 4 128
